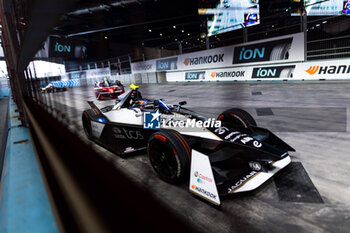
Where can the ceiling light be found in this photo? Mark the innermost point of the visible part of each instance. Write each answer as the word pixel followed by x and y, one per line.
pixel 149 30
pixel 317 25
pixel 106 37
pixel 182 31
pixel 174 26
pixel 324 22
pixel 175 39
pixel 161 34
pixel 188 34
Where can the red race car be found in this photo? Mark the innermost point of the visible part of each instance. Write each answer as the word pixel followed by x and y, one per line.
pixel 108 89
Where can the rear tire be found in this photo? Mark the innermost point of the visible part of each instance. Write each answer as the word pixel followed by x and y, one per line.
pixel 236 119
pixel 170 155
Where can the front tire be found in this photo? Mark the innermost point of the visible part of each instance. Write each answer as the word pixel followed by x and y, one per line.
pixel 170 155
pixel 236 119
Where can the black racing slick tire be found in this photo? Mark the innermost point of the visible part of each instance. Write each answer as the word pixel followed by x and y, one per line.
pixel 236 119
pixel 170 155
pixel 87 125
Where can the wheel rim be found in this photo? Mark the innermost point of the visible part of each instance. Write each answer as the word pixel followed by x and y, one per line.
pixel 163 159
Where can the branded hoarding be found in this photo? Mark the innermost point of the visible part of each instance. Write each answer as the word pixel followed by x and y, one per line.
pixel 332 69
pixel 66 48
pixel 98 73
pixel 316 70
pixel 267 51
pixel 273 72
pixel 270 51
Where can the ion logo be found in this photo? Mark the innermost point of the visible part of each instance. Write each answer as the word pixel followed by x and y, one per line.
pixel 268 51
pixel 273 72
pixel 251 54
pixel 312 70
pixel 167 64
pixel 195 75
pixel 151 120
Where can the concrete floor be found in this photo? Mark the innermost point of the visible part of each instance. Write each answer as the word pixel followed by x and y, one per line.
pixel 311 116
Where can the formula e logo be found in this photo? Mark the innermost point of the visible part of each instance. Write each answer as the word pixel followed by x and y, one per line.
pixel 312 70
pixel 151 120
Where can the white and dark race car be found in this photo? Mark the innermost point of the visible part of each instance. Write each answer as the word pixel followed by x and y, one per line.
pixel 230 154
pixel 52 88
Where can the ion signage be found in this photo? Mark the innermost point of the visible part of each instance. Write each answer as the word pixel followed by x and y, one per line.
pixel 268 51
pixel 273 72
pixel 167 64
pixel 64 48
pixel 195 75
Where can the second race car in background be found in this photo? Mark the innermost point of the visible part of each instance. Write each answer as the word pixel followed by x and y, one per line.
pixel 108 89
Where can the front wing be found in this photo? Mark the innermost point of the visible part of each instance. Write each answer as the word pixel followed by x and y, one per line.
pixel 202 180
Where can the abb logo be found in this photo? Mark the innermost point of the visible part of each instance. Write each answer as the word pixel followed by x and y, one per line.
pixel 312 70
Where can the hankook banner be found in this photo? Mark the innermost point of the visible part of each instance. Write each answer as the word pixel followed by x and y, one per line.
pixel 270 51
pixel 332 69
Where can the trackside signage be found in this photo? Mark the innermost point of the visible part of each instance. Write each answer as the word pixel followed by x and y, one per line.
pixel 334 69
pixel 273 72
pixel 195 75
pixel 269 51
pixel 281 49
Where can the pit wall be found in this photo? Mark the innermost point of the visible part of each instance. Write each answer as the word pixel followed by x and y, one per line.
pixel 25 205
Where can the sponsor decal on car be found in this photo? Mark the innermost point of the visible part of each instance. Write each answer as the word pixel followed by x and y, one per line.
pixel 127 134
pixel 242 181
pixel 202 177
pixel 206 193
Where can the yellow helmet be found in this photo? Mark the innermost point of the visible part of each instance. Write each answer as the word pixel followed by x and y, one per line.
pixel 133 87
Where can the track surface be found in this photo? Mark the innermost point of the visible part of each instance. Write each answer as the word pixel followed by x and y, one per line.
pixel 311 116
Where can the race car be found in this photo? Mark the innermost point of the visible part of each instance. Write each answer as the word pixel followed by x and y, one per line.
pixel 222 156
pixel 108 89
pixel 52 88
